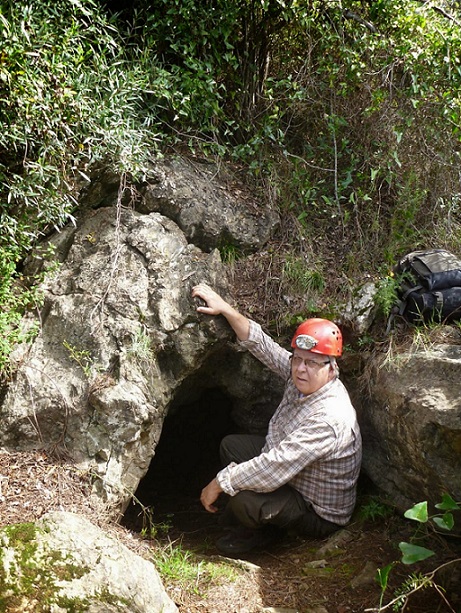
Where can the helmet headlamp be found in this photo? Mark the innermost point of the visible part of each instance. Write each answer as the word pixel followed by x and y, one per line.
pixel 305 341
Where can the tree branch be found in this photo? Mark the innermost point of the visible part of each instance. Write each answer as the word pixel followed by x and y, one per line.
pixel 442 11
pixel 347 14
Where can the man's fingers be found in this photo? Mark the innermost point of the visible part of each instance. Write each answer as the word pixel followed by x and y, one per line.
pixel 209 495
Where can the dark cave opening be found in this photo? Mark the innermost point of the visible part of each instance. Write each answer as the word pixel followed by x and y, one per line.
pixel 186 459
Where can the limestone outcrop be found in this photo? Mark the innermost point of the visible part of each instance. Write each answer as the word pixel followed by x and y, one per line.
pixel 66 563
pixel 211 215
pixel 120 344
pixel 411 424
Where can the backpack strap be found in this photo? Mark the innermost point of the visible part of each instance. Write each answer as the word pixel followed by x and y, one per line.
pixel 439 300
pixel 390 321
pixel 399 308
pixel 403 301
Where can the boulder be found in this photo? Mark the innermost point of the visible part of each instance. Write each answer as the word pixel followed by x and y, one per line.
pixel 411 425
pixel 121 345
pixel 64 562
pixel 118 333
pixel 211 208
pixel 360 312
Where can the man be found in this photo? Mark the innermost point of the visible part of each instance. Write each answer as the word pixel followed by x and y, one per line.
pixel 303 475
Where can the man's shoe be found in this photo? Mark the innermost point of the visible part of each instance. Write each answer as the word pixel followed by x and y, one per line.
pixel 242 540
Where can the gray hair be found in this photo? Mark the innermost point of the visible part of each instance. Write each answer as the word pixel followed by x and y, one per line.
pixel 334 364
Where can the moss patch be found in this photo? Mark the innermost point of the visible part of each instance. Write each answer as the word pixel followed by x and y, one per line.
pixel 29 572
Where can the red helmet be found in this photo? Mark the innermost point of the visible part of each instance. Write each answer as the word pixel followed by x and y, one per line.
pixel 319 336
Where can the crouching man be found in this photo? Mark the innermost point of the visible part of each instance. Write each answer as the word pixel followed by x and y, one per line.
pixel 303 475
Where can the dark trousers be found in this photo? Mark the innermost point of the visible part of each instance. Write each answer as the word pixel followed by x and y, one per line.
pixel 284 507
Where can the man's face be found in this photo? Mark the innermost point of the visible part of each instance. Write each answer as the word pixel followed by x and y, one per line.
pixel 310 371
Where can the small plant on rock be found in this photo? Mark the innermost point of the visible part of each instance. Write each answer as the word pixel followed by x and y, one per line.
pixel 374 509
pixel 82 357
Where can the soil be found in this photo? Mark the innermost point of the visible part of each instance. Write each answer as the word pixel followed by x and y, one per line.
pixel 293 575
pixel 336 575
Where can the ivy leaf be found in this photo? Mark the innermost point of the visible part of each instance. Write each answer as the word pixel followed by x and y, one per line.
pixel 446 522
pixel 414 553
pixel 448 504
pixel 382 575
pixel 418 512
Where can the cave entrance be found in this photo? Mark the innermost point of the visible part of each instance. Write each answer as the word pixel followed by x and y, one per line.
pixel 186 459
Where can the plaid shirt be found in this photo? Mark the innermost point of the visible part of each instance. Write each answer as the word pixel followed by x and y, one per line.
pixel 313 442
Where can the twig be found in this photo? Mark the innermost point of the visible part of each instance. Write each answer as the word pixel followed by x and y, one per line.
pixel 335 146
pixel 115 257
pixel 429 577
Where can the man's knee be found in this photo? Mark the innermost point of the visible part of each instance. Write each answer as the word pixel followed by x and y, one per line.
pixel 228 449
pixel 255 509
pixel 240 448
pixel 246 508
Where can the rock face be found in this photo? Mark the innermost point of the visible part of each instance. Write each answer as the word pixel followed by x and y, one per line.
pixel 121 345
pixel 66 563
pixel 121 349
pixel 187 193
pixel 412 426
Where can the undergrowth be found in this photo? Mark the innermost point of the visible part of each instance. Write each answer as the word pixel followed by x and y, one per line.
pixel 347 121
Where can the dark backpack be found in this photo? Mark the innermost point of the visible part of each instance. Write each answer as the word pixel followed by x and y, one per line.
pixel 430 287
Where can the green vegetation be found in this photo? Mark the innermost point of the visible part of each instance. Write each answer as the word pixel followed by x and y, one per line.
pixel 82 357
pixel 386 296
pixel 413 552
pixel 177 566
pixel 374 510
pixel 305 280
pixel 152 529
pixel 229 253
pixel 346 119
pixel 190 572
pixel 141 346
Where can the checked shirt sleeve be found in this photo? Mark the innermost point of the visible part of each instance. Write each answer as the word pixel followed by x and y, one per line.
pixel 270 353
pixel 279 465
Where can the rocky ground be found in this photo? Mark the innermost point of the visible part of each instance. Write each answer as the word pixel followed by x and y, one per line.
pixel 337 575
pixel 294 575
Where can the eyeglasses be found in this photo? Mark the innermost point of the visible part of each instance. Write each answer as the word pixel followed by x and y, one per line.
pixel 298 360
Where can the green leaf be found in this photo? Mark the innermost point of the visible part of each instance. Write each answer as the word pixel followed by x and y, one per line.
pixel 414 553
pixel 446 522
pixel 382 575
pixel 418 512
pixel 448 504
